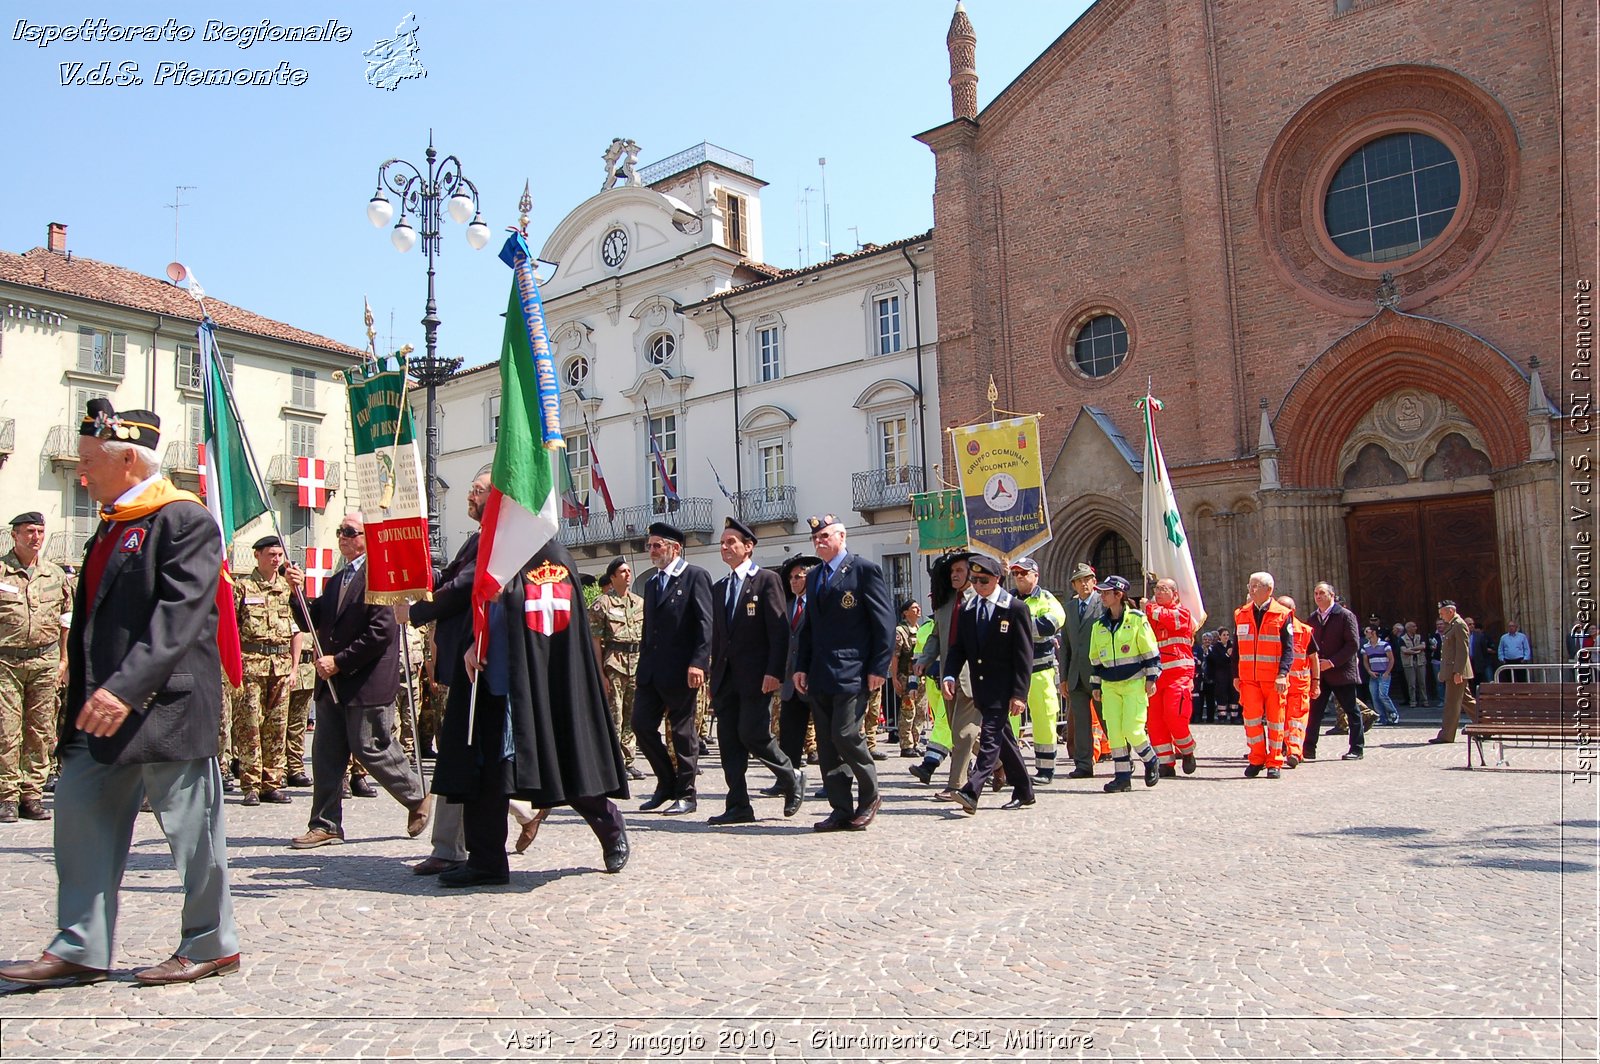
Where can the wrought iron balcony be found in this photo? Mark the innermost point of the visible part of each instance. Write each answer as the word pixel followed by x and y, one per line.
pixel 66 547
pixel 283 472
pixel 632 522
pixel 61 445
pixel 181 460
pixel 766 506
pixel 8 436
pixel 883 489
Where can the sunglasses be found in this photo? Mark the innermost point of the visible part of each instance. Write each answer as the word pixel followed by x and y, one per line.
pixel 981 578
pixel 346 532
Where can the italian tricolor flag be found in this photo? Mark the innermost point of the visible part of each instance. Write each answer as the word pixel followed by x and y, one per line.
pixel 521 514
pixel 231 492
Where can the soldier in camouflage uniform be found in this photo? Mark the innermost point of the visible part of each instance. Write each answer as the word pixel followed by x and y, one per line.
pixel 412 685
pixel 34 593
pixel 617 620
pixel 271 647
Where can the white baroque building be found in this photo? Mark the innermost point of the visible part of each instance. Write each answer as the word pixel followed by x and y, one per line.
pixel 805 391
pixel 72 328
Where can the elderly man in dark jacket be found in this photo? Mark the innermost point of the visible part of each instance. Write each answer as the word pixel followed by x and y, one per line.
pixel 1336 635
pixel 144 709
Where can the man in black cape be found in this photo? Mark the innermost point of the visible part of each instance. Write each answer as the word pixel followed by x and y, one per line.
pixel 541 732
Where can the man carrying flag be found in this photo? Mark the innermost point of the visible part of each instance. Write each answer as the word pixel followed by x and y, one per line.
pixel 533 722
pixel 144 705
pixel 1176 612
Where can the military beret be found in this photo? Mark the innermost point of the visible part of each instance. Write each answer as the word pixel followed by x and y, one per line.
pixel 736 525
pixel 32 517
pixel 101 421
pixel 985 563
pixel 666 531
pixel 821 521
pixel 616 563
pixel 1447 603
pixel 266 541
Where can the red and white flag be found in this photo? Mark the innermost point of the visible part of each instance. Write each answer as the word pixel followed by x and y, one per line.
pixel 547 600
pixel 200 461
pixel 319 567
pixel 312 473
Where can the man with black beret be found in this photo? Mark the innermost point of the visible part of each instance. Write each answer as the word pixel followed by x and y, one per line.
pixel 34 593
pixel 673 659
pixel 270 645
pixel 144 706
pixel 749 646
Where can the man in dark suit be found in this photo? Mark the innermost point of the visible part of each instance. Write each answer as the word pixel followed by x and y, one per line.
pixel 359 676
pixel 1083 609
pixel 749 645
pixel 673 657
pixel 450 611
pixel 846 644
pixel 994 639
pixel 144 709
pixel 1336 636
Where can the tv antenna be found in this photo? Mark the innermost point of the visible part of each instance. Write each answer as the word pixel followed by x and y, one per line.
pixel 175 206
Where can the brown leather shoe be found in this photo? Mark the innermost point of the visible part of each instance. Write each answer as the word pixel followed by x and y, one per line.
pixel 273 796
pixel 833 822
pixel 433 866
pixel 8 812
pixel 419 816
pixel 314 838
pixel 176 969
pixel 33 809
pixel 530 830
pixel 865 815
pixel 50 969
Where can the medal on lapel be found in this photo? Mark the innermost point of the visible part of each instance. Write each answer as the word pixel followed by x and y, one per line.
pixel 848 600
pixel 750 608
pixel 1005 626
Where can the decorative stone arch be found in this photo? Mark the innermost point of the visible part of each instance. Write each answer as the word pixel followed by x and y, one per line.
pixel 762 426
pixel 1408 427
pixel 1394 351
pixel 574 340
pixel 765 419
pixel 653 317
pixel 1076 528
pixel 886 392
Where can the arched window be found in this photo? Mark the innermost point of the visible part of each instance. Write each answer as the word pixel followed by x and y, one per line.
pixel 1113 557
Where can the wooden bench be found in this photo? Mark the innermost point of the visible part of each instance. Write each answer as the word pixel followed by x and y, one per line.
pixel 1522 712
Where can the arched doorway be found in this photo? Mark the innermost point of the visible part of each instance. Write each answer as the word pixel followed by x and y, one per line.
pixel 1112 555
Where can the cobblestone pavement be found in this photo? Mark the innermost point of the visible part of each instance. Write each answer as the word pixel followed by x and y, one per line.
pixel 1393 908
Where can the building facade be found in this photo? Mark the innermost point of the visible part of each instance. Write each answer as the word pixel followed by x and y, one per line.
pixel 1332 239
pixel 72 328
pixel 771 394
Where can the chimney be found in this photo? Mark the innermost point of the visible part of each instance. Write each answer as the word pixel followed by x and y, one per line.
pixel 58 238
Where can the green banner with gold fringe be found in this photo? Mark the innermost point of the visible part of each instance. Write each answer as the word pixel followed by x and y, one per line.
pixel 941 521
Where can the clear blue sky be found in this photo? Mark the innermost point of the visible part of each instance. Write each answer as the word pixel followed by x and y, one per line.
pixel 276 221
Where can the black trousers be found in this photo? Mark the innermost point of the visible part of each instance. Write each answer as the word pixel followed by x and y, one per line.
pixel 744 727
pixel 1346 694
pixel 794 715
pixel 842 752
pixel 484 826
pixel 998 746
pixel 650 704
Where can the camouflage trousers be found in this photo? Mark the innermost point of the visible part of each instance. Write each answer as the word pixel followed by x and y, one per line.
pixel 402 714
pixel 869 726
pixel 295 740
pixel 260 712
pixel 27 725
pixel 619 698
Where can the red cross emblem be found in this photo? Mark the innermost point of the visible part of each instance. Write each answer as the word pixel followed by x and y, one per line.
pixel 547 607
pixel 311 475
pixel 319 566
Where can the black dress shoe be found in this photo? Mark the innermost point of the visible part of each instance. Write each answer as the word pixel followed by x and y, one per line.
pixel 297 779
pixel 968 804
pixel 467 876
pixel 744 815
pixel 654 802
pixel 616 853
pixel 273 796
pixel 1019 803
pixel 775 791
pixel 794 800
pixel 681 807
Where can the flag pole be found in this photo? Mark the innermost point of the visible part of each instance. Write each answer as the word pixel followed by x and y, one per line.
pixel 255 472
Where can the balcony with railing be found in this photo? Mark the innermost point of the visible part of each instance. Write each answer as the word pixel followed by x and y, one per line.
pixel 884 489
pixel 693 516
pixel 66 546
pixel 766 506
pixel 283 473
pixel 61 445
pixel 8 437
pixel 181 462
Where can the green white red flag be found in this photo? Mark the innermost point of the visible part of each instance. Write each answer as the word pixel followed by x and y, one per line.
pixel 1166 545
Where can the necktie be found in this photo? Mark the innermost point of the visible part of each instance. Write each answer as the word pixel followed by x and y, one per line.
pixel 661 583
pixel 1082 608
pixel 344 584
pixel 822 578
pixel 733 595
pixel 983 614
pixel 799 611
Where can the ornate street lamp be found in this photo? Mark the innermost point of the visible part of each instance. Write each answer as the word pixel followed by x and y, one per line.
pixel 422 193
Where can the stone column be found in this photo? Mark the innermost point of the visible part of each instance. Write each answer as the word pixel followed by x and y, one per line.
pixel 1531 553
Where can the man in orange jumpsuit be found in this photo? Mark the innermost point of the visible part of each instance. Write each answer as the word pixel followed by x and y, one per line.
pixel 1174 701
pixel 1266 654
pixel 1303 685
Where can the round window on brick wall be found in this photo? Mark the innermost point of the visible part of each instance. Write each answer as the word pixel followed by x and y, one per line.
pixel 661 349
pixel 1100 345
pixel 1392 197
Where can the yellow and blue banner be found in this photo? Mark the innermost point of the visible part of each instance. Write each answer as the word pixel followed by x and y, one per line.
pixel 1002 486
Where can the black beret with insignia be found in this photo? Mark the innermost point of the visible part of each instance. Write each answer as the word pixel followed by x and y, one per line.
pixel 666 531
pixel 740 527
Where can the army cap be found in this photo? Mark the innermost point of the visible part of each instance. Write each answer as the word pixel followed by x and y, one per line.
pixel 32 517
pixel 266 542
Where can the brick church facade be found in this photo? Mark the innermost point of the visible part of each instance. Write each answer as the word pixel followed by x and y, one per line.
pixel 1333 237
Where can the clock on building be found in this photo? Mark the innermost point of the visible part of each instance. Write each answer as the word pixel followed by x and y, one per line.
pixel 614 248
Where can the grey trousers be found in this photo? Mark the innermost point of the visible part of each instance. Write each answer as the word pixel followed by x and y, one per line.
pixel 842 752
pixel 1082 730
pixel 449 836
pixel 96 807
pixel 368 733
